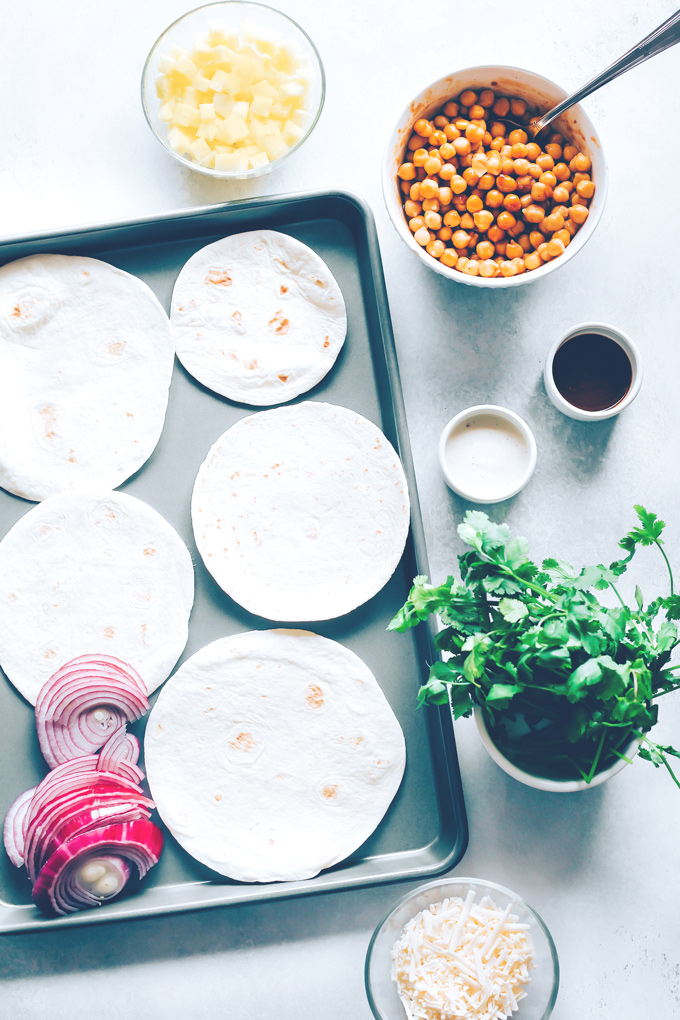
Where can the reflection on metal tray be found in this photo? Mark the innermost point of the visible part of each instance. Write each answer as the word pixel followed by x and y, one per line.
pixel 424 831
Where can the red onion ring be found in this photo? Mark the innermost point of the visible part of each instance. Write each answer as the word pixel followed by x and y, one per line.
pixel 121 747
pixel 13 832
pixel 62 886
pixel 86 702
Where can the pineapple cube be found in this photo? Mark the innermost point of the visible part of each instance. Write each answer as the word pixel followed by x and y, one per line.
pixel 179 139
pixel 199 149
pixel 234 129
pixel 291 90
pixel 222 56
pixel 224 105
pixel 176 51
pixel 186 116
pixel 202 45
pixel 201 84
pixel 207 112
pixel 286 57
pixel 234 161
pixel 241 110
pixel 291 132
pixel 227 81
pixel 185 68
pixel 274 146
pixel 264 88
pixel 220 34
pixel 166 65
pixel 163 88
pixel 261 106
pixel 258 161
pixel 166 111
pixel 190 97
pixel 300 117
pixel 281 111
pixel 208 160
pixel 206 129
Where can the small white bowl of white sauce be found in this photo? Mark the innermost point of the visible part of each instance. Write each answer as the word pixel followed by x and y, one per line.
pixel 487 453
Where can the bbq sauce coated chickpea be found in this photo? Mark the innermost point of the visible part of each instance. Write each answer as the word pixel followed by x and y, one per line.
pixel 483 199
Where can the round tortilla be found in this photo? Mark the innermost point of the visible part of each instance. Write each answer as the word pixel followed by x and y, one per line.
pixel 301 513
pixel 258 317
pixel 273 754
pixel 86 356
pixel 87 572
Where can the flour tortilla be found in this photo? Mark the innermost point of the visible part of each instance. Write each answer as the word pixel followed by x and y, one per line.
pixel 86 355
pixel 301 513
pixel 87 572
pixel 258 317
pixel 273 754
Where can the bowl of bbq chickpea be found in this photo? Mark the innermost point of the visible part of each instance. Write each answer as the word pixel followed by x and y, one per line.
pixel 475 195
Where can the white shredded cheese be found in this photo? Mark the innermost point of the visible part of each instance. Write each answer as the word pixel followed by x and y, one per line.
pixel 460 959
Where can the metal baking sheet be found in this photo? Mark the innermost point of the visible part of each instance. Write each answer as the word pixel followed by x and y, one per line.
pixel 424 831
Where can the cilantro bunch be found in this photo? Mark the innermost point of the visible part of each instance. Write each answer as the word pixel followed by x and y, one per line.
pixel 565 683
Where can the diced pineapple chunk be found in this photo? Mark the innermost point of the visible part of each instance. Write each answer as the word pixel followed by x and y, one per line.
pixel 281 111
pixel 258 161
pixel 185 68
pixel 274 146
pixel 166 64
pixel 207 112
pixel 234 129
pixel 221 35
pixel 201 84
pixel 261 106
pixel 200 148
pixel 166 111
pixel 234 161
pixel 179 140
pixel 190 96
pixel 186 115
pixel 291 133
pixel 241 110
pixel 224 105
pixel 264 88
pixel 291 89
pixel 163 88
pixel 207 129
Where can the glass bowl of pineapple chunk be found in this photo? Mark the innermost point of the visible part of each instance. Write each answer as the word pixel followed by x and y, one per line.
pixel 232 89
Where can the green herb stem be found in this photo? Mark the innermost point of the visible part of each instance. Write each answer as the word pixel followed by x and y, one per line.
pixel 670 572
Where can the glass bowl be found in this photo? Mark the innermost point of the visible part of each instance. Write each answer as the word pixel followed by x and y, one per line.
pixel 382 991
pixel 181 33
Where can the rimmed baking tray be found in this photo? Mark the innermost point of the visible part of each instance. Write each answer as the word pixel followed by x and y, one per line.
pixel 425 830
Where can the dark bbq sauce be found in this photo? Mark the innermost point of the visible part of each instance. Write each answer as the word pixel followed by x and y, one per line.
pixel 592 372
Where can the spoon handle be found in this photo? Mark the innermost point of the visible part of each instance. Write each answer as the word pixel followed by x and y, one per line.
pixel 666 35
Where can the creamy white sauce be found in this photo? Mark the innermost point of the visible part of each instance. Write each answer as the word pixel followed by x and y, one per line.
pixel 487 456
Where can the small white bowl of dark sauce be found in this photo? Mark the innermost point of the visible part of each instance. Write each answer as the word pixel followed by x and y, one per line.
pixel 593 371
pixel 487 453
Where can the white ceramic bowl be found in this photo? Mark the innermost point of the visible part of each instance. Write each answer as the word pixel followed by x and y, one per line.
pixel 382 991
pixel 574 124
pixel 181 32
pixel 538 782
pixel 468 491
pixel 619 337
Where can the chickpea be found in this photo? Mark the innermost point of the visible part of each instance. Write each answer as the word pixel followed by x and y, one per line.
pixel 533 150
pixel 462 146
pixel 505 150
pixel 508 268
pixel 501 107
pixel 404 187
pixel 586 189
pixel 447 171
pixel 552 222
pixel 485 249
pixel 462 262
pixel 540 192
pixel 423 127
pixel 534 214
pixel 568 152
pixel 548 178
pixel 534 171
pixel 459 203
pixel 554 150
pixel 512 203
pixel 488 268
pixel 464 161
pixel 517 136
pixel 496 144
pixel 471 267
pixel 445 234
pixel 483 219
pixel 533 260
pixel 486 181
pixel 474 204
pixel 562 235
pixel 495 234
pixel 519 262
pixel 420 157
pixel 468 98
pixel 414 142
pixel 507 165
pixel 437 138
pixel 494 199
pixel 577 200
pixel 560 194
pixel 562 171
pixel 448 257
pixel 451 110
pixel 460 239
pixel 579 214
pixel 518 107
pixel 451 132
pixel 445 195
pixel 412 208
pixel 429 188
pixel 451 219
pixel 433 221
pixel 555 248
pixel 505 220
pixel 524 242
pixel 422 236
pixel 545 161
pixel 440 122
pixel 461 123
pixel 579 162
pixel 516 229
pixel 493 164
pixel 477 112
pixel 466 221
pixel 513 250
pixel 435 248
pixel 536 238
pixel 500 252
pixel 433 165
pixel 486 140
pixel 406 171
pixel 526 200
pixel 416 222
pixel 518 151
pixel 470 176
pixel 505 183
pixel 524 183
pixel 542 250
pixel 446 152
pixel 414 192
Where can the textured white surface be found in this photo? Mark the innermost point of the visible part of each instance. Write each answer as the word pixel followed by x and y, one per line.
pixel 258 317
pixel 86 356
pixel 600 867
pixel 301 513
pixel 273 754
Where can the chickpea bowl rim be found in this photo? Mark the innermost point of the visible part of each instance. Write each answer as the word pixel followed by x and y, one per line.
pixel 231 175
pixel 431 98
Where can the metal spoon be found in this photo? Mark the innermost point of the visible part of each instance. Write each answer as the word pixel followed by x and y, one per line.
pixel 663 37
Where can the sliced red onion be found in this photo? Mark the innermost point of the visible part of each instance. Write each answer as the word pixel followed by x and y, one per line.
pixel 13 833
pixel 121 747
pixel 72 878
pixel 84 704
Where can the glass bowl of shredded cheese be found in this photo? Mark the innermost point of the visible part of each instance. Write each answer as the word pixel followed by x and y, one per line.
pixel 231 89
pixel 462 947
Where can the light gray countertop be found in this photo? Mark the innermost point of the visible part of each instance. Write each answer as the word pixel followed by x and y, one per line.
pixel 600 867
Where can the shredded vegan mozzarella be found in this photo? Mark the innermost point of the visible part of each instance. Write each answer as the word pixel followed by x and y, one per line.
pixel 460 959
